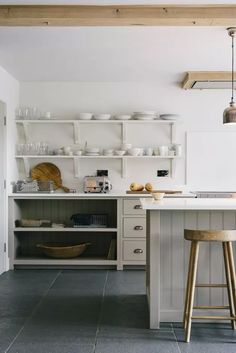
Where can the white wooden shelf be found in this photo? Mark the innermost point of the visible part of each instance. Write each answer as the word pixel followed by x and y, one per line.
pixel 77 158
pixel 76 230
pixel 94 121
pixel 76 123
pixel 44 261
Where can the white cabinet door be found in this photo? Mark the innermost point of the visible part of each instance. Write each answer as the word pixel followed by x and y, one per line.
pixel 2 189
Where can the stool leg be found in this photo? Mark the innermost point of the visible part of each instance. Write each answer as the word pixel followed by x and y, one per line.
pixel 232 272
pixel 192 289
pixel 188 287
pixel 229 281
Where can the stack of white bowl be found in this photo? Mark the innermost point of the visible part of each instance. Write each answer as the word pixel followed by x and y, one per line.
pixel 145 115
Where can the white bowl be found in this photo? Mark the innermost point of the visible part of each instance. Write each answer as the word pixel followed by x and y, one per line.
pixel 126 146
pixel 85 116
pixel 123 117
pixel 78 153
pixel 119 152
pixel 134 152
pixel 102 116
pixel 158 195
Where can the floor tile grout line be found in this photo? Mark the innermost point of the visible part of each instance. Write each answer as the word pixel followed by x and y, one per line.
pixel 33 312
pixel 100 315
pixel 176 340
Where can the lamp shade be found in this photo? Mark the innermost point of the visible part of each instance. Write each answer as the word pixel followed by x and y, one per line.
pixel 229 116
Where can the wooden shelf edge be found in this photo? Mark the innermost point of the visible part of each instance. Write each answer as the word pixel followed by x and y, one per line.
pixel 76 230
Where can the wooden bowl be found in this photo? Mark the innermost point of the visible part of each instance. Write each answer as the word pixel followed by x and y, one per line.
pixel 62 251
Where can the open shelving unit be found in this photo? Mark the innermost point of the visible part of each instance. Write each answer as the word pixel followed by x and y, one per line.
pixel 23 240
pixel 76 126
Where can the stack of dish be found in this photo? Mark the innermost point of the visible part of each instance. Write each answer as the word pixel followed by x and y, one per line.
pixel 92 151
pixel 102 116
pixel 169 116
pixel 145 115
pixel 108 152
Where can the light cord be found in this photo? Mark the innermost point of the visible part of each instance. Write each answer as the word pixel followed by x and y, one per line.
pixel 232 98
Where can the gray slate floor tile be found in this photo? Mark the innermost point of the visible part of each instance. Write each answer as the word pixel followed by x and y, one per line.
pixel 154 342
pixel 50 348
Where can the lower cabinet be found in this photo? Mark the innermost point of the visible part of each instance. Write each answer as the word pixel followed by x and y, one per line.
pixel 115 234
pixel 133 234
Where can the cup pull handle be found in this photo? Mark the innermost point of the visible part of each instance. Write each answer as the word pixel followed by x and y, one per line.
pixel 137 207
pixel 138 228
pixel 138 251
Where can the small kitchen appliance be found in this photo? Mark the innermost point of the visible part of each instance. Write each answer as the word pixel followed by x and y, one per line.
pixel 97 184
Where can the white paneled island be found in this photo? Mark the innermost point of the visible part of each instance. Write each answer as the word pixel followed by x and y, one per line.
pixel 168 252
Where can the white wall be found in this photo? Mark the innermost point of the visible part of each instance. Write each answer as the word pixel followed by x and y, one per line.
pixel 200 110
pixel 9 94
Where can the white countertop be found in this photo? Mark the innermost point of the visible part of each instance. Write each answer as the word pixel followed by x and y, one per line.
pixel 113 194
pixel 189 204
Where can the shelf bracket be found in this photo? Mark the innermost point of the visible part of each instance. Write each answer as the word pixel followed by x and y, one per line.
pixel 76 131
pixel 123 132
pixel 123 167
pixel 172 167
pixel 26 166
pixel 26 130
pixel 76 167
pixel 173 133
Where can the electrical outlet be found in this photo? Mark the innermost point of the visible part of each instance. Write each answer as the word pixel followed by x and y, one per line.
pixel 162 173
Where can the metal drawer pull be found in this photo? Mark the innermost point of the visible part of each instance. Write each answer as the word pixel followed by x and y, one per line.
pixel 138 251
pixel 137 207
pixel 138 228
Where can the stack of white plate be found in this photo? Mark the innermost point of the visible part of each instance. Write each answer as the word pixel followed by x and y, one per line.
pixel 169 116
pixel 92 151
pixel 145 115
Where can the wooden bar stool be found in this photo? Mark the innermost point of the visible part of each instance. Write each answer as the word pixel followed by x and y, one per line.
pixel 226 237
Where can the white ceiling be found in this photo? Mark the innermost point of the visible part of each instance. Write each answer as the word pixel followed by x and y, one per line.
pixel 112 53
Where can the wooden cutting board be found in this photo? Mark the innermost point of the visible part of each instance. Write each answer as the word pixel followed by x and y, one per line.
pixel 48 171
pixel 149 192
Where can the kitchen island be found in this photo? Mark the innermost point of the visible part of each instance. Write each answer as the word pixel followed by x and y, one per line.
pixel 168 253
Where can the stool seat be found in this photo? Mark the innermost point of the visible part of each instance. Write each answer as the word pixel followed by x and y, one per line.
pixel 210 235
pixel 226 237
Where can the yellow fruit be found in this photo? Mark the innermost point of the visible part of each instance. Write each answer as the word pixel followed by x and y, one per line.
pixel 136 187
pixel 149 187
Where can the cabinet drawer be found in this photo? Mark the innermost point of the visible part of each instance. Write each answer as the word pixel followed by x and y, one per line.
pixel 134 227
pixel 134 250
pixel 133 207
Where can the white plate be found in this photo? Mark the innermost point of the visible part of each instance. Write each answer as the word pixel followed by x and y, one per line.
pixel 146 117
pixel 92 154
pixel 92 150
pixel 169 116
pixel 146 112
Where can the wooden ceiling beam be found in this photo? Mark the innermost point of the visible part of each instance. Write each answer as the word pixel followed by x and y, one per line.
pixel 117 15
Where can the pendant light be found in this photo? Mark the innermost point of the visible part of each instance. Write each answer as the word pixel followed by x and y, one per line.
pixel 229 116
